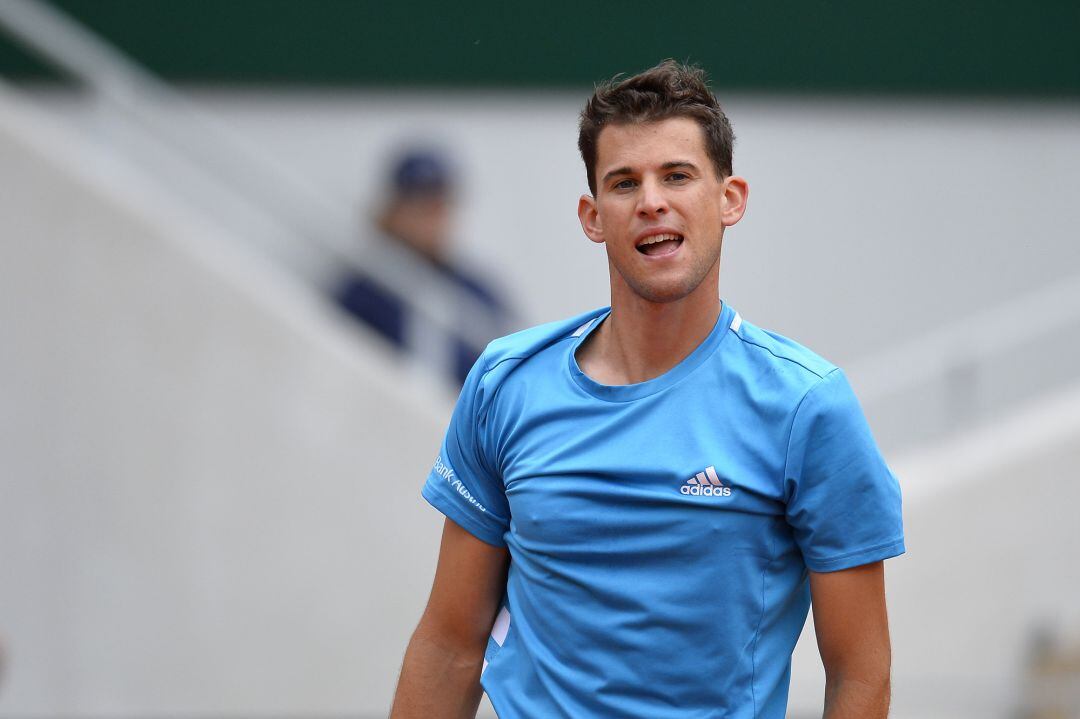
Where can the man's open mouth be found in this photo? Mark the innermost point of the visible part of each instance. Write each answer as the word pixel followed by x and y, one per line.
pixel 658 245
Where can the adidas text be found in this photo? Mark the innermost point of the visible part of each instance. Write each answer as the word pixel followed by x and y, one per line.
pixel 706 491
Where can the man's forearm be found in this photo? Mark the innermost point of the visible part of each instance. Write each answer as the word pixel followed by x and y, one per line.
pixel 852 698
pixel 438 680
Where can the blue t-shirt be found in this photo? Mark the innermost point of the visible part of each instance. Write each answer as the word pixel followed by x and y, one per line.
pixel 660 533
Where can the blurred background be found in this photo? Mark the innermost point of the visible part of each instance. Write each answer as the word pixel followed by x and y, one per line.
pixel 247 249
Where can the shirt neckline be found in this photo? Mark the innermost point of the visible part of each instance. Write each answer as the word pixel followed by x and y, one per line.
pixel 630 392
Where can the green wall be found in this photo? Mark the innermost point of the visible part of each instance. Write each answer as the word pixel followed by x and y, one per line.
pixel 916 47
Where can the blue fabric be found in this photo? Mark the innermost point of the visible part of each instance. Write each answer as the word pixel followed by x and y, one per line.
pixel 630 592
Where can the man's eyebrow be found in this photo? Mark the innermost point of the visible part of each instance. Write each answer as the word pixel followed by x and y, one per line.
pixel 671 165
pixel 626 170
pixel 678 163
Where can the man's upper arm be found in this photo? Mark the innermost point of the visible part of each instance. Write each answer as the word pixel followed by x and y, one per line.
pixel 851 622
pixel 843 502
pixel 470 580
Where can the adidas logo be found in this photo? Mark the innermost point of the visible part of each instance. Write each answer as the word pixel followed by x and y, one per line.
pixel 705 484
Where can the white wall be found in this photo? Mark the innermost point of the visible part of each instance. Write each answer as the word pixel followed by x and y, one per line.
pixel 209 489
pixel 869 219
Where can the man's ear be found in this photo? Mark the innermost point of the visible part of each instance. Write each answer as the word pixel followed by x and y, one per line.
pixel 736 192
pixel 590 218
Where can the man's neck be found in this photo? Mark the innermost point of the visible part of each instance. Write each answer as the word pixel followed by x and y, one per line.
pixel 642 340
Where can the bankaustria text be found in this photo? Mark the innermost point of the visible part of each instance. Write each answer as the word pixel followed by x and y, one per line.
pixel 444 471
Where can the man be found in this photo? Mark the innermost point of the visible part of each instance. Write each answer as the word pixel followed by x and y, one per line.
pixel 641 501
pixel 412 250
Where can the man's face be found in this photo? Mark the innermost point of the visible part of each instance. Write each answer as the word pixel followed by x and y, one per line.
pixel 660 208
pixel 422 222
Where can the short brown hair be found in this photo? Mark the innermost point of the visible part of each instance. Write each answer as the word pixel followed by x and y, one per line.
pixel 671 89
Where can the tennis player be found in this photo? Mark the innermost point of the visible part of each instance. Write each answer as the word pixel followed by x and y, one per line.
pixel 642 501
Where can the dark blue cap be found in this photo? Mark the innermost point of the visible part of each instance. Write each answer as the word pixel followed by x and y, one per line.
pixel 422 172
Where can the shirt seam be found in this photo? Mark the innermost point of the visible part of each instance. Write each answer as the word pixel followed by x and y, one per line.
pixel 812 371
pixel 492 368
pixel 795 417
pixel 864 550
pixel 757 630
pixel 483 412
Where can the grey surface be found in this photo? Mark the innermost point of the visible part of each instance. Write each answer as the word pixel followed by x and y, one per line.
pixel 208 488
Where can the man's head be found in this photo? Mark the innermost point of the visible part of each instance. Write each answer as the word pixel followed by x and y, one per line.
pixel 657 149
pixel 668 90
pixel 418 208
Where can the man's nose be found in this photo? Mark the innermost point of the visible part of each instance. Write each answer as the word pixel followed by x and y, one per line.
pixel 652 201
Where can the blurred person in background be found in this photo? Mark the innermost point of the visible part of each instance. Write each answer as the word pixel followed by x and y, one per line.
pixel 1051 682
pixel 417 294
pixel 641 500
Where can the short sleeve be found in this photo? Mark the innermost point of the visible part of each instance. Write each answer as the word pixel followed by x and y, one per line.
pixel 843 502
pixel 462 483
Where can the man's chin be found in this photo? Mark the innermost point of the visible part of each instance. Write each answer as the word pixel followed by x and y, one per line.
pixel 664 292
pixel 659 286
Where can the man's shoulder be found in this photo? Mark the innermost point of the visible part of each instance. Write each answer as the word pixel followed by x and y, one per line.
pixel 514 348
pixel 783 355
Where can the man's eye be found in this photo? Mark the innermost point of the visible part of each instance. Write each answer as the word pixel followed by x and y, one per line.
pixel 678 176
pixel 624 184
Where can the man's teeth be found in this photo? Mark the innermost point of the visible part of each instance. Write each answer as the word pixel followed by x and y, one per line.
pixel 658 238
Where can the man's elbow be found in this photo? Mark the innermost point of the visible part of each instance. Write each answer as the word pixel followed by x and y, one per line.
pixel 460 641
pixel 862 691
pixel 868 682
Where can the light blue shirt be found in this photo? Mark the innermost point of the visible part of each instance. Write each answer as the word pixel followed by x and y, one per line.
pixel 660 533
